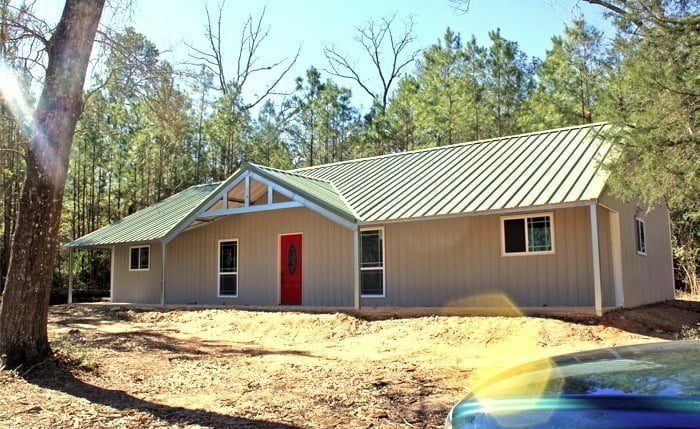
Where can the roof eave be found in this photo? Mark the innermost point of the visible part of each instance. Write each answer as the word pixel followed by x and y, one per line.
pixel 314 199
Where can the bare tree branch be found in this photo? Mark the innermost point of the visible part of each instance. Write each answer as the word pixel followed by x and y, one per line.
pixel 270 89
pixel 387 51
pixel 252 35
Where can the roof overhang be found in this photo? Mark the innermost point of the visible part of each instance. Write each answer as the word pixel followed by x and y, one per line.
pixel 248 172
pixel 580 203
pixel 107 246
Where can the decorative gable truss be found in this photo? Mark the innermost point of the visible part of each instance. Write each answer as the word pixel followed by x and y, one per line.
pixel 249 191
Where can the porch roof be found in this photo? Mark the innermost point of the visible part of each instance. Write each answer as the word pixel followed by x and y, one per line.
pixel 151 223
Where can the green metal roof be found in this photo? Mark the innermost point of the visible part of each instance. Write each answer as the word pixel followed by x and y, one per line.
pixel 317 190
pixel 527 170
pixel 534 169
pixel 149 224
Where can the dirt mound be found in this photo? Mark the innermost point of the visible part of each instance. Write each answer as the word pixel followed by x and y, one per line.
pixel 234 368
pixel 669 320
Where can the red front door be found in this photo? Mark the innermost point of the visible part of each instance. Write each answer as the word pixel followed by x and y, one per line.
pixel 290 258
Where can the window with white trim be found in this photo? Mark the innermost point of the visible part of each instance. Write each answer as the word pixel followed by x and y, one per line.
pixel 228 268
pixel 527 234
pixel 372 263
pixel 139 258
pixel 641 236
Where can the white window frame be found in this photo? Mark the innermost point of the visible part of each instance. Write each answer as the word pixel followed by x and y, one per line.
pixel 383 267
pixel 149 257
pixel 218 267
pixel 527 237
pixel 638 221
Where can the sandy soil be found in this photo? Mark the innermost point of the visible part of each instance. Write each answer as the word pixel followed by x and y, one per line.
pixel 232 368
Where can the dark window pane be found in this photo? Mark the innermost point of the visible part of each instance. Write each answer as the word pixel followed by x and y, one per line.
pixel 228 259
pixel 227 284
pixel 514 235
pixel 372 249
pixel 539 232
pixel 134 264
pixel 372 282
pixel 143 258
pixel 641 236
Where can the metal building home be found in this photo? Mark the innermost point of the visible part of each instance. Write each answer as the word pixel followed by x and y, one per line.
pixel 526 216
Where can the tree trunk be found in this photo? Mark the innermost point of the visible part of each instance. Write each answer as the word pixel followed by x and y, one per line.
pixel 25 304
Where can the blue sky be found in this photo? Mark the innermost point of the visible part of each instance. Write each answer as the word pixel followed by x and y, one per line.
pixel 312 24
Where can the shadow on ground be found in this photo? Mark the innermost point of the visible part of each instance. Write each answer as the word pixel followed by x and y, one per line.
pixel 56 376
pixel 159 340
pixel 670 320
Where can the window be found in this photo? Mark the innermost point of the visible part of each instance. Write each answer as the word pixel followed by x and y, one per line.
pixel 372 263
pixel 641 234
pixel 228 268
pixel 139 258
pixel 529 234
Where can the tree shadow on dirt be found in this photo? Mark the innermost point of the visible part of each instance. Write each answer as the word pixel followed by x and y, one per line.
pixel 158 340
pixel 57 377
pixel 67 315
pixel 670 320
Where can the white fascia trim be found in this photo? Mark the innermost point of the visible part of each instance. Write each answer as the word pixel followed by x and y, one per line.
pixel 547 207
pixel 308 204
pixel 250 209
pixel 220 194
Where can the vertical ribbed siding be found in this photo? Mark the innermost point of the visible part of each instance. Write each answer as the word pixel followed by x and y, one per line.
pixel 141 287
pixel 440 262
pixel 428 263
pixel 327 259
pixel 646 279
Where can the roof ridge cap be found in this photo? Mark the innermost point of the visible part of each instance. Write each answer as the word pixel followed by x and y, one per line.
pixel 454 145
pixel 294 173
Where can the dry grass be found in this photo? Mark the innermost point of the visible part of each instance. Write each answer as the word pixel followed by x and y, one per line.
pixel 232 368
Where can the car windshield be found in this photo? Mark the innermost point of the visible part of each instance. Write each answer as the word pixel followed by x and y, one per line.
pixel 662 369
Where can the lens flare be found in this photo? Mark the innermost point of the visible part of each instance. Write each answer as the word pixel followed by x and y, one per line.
pixel 511 369
pixel 14 95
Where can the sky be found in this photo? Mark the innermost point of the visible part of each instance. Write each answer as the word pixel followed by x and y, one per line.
pixel 311 24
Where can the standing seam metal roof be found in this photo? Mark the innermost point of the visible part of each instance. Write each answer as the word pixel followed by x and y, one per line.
pixel 513 172
pixel 541 168
pixel 151 223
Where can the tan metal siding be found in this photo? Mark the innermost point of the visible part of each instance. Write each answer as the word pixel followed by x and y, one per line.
pixel 191 275
pixel 428 263
pixel 646 279
pixel 441 262
pixel 136 286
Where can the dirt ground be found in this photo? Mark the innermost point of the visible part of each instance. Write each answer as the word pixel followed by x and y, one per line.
pixel 117 367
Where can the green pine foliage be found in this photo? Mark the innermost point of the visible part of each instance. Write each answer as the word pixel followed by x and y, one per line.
pixel 150 129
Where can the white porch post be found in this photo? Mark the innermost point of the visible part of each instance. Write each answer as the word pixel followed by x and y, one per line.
pixel 111 274
pixel 70 275
pixel 595 248
pixel 356 266
pixel 246 190
pixel 162 273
